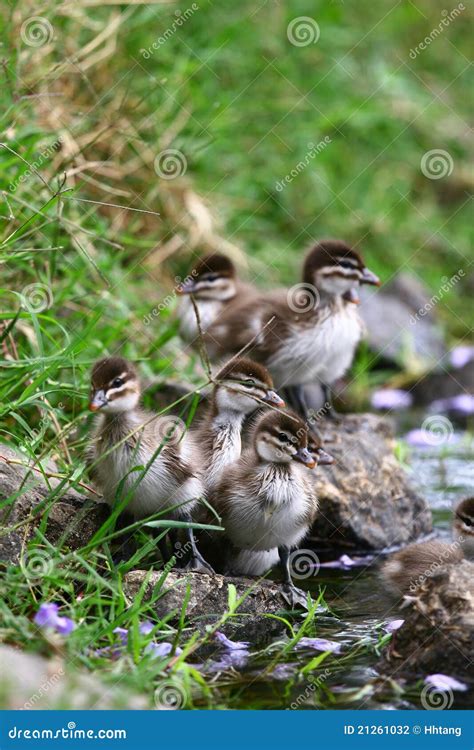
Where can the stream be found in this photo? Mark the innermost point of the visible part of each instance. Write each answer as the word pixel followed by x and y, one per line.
pixel 358 605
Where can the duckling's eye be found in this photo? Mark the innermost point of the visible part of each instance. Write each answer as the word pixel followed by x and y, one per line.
pixel 249 382
pixel 212 277
pixel 283 438
pixel 346 264
pixel 117 383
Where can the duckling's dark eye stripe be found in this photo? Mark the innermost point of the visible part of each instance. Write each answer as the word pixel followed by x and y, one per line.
pixel 465 519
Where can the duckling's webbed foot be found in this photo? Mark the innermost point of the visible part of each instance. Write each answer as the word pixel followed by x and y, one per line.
pixel 296 598
pixel 196 561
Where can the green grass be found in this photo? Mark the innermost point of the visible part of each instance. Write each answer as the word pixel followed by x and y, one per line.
pixel 241 104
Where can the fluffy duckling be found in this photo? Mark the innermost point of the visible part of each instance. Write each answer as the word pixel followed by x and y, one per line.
pixel 463 526
pixel 241 387
pixel 126 436
pixel 406 569
pixel 214 285
pixel 314 329
pixel 266 500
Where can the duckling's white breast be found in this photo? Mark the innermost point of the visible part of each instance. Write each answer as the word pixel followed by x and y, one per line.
pixel 208 312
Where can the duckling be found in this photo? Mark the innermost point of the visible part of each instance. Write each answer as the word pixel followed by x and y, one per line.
pixel 241 387
pixel 214 285
pixel 308 333
pixel 406 569
pixel 463 526
pixel 126 436
pixel 266 501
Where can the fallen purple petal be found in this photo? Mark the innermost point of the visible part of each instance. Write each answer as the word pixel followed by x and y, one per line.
pixel 444 682
pixel 461 355
pixel 122 634
pixel 231 645
pixel 319 644
pixel 393 625
pixel 236 659
pixel 159 650
pixel 391 398
pixel 146 627
pixel 283 672
pixel 64 625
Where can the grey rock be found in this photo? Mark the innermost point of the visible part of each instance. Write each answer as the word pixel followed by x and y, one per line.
pixel 72 519
pixel 209 599
pixel 400 326
pixel 366 499
pixel 30 682
pixel 438 633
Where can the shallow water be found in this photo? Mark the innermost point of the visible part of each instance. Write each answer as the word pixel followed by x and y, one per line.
pixel 359 607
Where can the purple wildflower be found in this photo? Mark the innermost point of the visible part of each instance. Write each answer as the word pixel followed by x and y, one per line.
pixel 424 438
pixel 461 355
pixel 319 644
pixel 48 617
pixel 391 398
pixel 159 650
pixel 231 645
pixel 444 682
pixel 462 403
pixel 393 625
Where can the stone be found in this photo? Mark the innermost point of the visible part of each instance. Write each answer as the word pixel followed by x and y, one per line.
pixel 209 600
pixel 366 500
pixel 72 519
pixel 401 324
pixel 438 633
pixel 30 682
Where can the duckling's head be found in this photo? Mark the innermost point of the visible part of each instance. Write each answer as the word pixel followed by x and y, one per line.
pixel 336 269
pixel 115 387
pixel 212 278
pixel 281 438
pixel 315 447
pixel 464 525
pixel 243 385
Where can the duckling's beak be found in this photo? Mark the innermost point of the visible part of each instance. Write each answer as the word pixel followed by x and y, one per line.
pixel 272 398
pixel 98 400
pixel 324 459
pixel 305 457
pixel 187 287
pixel 369 278
pixel 351 296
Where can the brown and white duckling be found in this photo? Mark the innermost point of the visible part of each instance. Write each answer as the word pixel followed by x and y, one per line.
pixel 266 500
pixel 214 285
pixel 126 436
pixel 463 526
pixel 241 387
pixel 314 328
pixel 407 569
